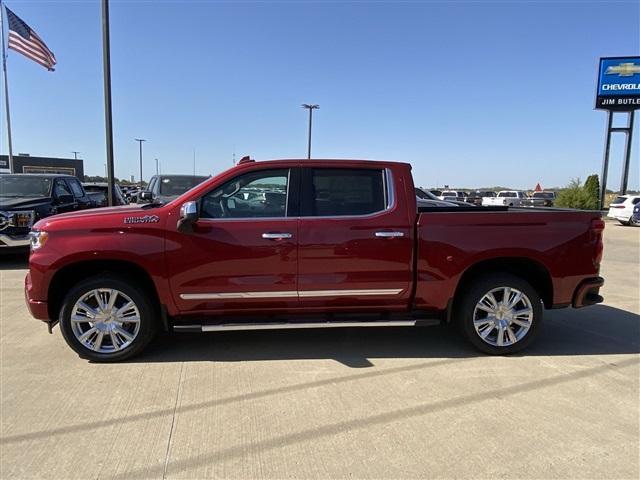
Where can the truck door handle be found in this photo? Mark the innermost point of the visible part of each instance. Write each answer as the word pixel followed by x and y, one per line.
pixel 389 234
pixel 276 236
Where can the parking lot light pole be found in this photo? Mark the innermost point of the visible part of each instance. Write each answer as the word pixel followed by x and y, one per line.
pixel 140 140
pixel 108 120
pixel 311 107
pixel 75 155
pixel 156 166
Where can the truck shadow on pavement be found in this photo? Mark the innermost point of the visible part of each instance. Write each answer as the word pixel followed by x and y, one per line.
pixel 594 331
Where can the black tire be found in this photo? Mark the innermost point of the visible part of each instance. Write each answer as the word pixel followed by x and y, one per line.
pixel 147 315
pixel 625 223
pixel 466 306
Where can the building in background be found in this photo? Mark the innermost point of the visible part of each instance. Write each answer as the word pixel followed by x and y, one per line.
pixel 25 163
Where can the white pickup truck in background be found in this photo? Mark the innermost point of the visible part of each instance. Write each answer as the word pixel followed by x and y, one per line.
pixel 511 198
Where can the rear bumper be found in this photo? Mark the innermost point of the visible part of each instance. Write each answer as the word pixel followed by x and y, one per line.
pixel 37 308
pixel 619 214
pixel 588 293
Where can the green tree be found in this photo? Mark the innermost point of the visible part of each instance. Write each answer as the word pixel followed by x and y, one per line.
pixel 592 190
pixel 576 195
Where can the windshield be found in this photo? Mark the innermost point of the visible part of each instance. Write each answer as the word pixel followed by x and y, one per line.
pixel 421 194
pixel 174 186
pixel 425 195
pixel 23 186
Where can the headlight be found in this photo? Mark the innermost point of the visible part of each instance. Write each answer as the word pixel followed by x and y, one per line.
pixel 38 239
pixel 23 219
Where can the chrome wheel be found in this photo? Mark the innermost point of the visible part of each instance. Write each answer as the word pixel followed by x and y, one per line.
pixel 503 316
pixel 105 320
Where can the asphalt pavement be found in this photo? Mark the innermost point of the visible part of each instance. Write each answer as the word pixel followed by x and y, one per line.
pixel 353 403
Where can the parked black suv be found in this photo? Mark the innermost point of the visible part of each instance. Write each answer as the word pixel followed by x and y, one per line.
pixel 26 197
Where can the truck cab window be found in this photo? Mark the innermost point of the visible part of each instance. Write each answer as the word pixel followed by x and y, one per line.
pixel 252 195
pixel 76 187
pixel 61 188
pixel 342 192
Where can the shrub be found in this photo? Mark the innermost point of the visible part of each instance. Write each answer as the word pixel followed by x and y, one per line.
pixel 582 197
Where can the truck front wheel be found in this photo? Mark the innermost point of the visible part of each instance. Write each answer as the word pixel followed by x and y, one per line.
pixel 500 314
pixel 106 319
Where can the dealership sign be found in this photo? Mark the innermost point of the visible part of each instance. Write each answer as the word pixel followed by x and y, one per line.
pixel 619 84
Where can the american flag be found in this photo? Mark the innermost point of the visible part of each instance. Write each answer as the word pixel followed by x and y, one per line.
pixel 24 40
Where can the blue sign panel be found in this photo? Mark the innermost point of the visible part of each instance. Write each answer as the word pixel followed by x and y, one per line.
pixel 619 84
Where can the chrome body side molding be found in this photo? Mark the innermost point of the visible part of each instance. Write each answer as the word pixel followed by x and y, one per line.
pixel 348 293
pixel 290 294
pixel 232 295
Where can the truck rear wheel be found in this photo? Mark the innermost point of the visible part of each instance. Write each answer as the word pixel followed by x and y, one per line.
pixel 500 314
pixel 106 319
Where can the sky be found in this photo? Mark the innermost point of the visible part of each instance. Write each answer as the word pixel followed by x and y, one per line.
pixel 471 93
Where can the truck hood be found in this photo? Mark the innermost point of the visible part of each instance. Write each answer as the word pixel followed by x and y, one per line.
pixel 23 203
pixel 101 212
pixel 89 217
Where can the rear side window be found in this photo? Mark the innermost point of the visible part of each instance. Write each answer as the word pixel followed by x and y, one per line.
pixel 337 192
pixel 619 200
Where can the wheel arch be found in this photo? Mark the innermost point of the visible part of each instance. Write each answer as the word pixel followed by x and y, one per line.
pixel 525 268
pixel 69 275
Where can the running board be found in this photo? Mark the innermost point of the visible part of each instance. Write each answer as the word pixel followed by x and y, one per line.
pixel 227 327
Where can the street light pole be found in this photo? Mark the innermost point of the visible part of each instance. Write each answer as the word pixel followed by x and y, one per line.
pixel 311 108
pixel 140 140
pixel 156 166
pixel 108 121
pixel 75 155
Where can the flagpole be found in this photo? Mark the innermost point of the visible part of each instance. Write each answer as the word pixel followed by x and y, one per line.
pixel 6 88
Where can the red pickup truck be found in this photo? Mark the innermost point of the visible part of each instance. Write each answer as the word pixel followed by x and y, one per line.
pixel 308 244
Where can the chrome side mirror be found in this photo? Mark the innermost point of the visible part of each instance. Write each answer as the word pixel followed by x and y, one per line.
pixel 188 216
pixel 146 195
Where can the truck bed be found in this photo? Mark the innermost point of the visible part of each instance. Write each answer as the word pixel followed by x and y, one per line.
pixel 557 245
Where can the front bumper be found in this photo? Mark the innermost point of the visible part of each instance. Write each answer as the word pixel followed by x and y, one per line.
pixel 38 308
pixel 14 241
pixel 588 293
